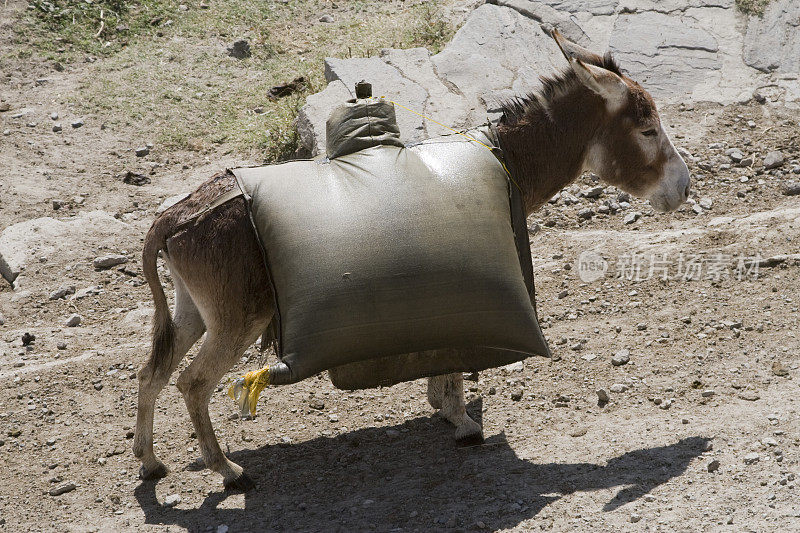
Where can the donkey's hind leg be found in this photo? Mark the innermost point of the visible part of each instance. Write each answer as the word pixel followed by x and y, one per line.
pixel 446 392
pixel 224 345
pixel 188 328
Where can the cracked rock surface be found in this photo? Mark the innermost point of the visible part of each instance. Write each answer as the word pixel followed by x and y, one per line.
pixel 680 50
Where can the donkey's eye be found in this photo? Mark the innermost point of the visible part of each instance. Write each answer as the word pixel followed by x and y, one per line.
pixel 649 133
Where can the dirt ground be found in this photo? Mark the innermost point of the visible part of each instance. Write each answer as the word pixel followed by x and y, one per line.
pixel 701 431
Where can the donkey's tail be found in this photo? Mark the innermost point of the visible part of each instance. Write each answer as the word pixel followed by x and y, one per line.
pixel 163 327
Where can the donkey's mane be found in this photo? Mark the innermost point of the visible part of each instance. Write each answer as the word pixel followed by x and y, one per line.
pixel 516 108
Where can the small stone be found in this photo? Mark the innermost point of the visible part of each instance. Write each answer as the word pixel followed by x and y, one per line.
pixel 222 528
pixel 108 261
pixel 779 369
pixel 735 155
pixel 758 97
pixel 602 396
pixel 579 432
pixel 333 418
pixel 73 320
pixel 792 189
pixel 172 500
pixel 620 358
pixel 62 489
pixel 4 106
pixel 142 151
pixel 56 127
pixel 618 387
pixel 697 209
pixel 706 203
pixel 773 160
pixel 585 214
pixel 635 518
pixel 749 396
pixel 28 338
pixel 61 345
pixel 641 326
pixel 317 404
pixel 98 386
pixel 516 395
pixel 519 366
pixel 708 393
pixel 62 292
pixel 77 123
pixel 631 217
pixel 713 466
pixel 563 294
pixel 326 18
pixel 751 458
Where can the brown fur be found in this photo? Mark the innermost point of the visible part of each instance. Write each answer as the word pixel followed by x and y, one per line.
pixel 222 286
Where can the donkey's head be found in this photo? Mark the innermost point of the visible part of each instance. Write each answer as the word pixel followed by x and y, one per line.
pixel 630 148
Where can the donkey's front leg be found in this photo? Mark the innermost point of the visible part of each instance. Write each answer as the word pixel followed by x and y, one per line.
pixel 446 393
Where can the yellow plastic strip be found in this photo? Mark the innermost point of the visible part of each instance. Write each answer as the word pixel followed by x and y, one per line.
pixel 247 389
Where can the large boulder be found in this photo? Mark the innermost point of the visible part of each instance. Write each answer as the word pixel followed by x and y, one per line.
pixel 37 240
pixel 680 50
pixel 772 42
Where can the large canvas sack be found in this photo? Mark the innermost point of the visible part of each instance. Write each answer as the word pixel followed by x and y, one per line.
pixel 385 251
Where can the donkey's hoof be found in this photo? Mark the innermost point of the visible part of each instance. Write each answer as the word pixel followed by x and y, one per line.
pixel 157 472
pixel 473 439
pixel 243 483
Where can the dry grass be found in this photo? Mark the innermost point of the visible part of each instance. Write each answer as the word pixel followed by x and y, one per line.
pixel 170 76
pixel 752 7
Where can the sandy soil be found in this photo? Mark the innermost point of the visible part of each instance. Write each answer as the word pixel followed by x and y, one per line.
pixel 711 380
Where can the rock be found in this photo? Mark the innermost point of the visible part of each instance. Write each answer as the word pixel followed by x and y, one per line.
pixel 706 203
pixel 563 294
pixel 620 358
pixel 708 393
pixel 514 367
pixel 57 127
pixel 313 116
pixel 2 319
pixel 134 178
pixel 240 49
pixel 594 192
pixel 222 528
pixel 771 42
pixel 316 404
pixel 73 320
pixel 641 326
pixel 779 369
pixel 77 123
pixel 4 106
pixel 792 189
pixel 326 18
pixel 618 388
pixel 53 116
pixel 107 261
pixel 602 396
pixel 28 338
pixel 169 202
pixel 579 431
pixel 27 242
pixel 713 466
pixel 635 518
pixel 62 292
pixel 172 500
pixel 751 458
pixel 749 396
pixel 62 489
pixel 773 160
pixel 631 217
pixel 142 151
pixel 61 345
pixel 516 395
pixel 735 155
pixel 585 214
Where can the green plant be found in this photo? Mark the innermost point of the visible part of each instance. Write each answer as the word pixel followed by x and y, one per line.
pixel 431 29
pixel 752 7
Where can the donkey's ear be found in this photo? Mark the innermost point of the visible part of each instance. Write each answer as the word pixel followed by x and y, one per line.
pixel 573 51
pixel 603 82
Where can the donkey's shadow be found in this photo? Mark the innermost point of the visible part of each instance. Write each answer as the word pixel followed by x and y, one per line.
pixel 411 477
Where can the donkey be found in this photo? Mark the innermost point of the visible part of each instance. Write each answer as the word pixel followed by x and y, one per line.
pixel 589 117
